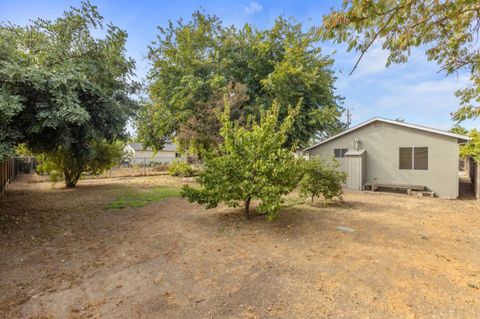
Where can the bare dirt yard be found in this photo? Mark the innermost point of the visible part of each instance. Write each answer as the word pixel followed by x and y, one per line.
pixel 64 254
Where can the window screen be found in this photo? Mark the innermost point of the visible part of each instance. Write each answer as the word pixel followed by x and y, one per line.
pixel 340 152
pixel 420 160
pixel 405 158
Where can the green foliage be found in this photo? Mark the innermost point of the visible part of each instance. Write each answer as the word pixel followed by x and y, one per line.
pixel 196 63
pixel 250 164
pixel 140 199
pixel 182 169
pixel 99 157
pixel 448 29
pixel 62 88
pixel 50 165
pixel 457 129
pixel 472 147
pixel 322 179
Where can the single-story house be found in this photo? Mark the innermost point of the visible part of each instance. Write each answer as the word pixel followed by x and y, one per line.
pixel 394 153
pixel 146 155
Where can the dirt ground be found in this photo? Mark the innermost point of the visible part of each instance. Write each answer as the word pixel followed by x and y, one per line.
pixel 64 255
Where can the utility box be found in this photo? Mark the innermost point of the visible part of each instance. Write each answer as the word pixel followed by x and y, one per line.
pixel 355 163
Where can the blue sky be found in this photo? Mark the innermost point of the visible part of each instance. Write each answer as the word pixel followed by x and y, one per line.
pixel 414 91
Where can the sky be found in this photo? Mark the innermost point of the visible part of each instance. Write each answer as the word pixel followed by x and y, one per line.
pixel 415 91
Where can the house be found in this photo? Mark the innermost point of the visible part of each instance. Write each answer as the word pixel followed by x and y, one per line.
pixel 394 153
pixel 146 155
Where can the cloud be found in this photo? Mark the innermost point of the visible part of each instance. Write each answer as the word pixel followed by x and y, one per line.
pixel 253 7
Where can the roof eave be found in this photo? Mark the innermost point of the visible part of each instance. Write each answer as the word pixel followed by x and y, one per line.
pixel 413 126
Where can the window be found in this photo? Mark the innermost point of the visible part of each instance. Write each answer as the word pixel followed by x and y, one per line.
pixel 413 158
pixel 406 158
pixel 420 160
pixel 340 152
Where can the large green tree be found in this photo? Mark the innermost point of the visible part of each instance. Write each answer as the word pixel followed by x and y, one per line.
pixel 195 63
pixel 448 29
pixel 251 164
pixel 62 89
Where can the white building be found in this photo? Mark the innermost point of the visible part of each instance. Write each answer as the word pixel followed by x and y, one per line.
pixel 143 155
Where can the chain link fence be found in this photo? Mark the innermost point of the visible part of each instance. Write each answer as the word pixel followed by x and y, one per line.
pixel 140 166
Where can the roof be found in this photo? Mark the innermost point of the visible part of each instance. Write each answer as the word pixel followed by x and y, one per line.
pixel 461 138
pixel 139 147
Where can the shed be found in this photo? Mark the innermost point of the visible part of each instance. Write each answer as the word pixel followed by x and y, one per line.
pixel 397 153
pixel 355 168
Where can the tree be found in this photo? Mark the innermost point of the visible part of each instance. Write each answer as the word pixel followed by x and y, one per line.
pixel 101 156
pixel 62 89
pixel 472 147
pixel 458 129
pixel 250 164
pixel 449 29
pixel 322 179
pixel 195 64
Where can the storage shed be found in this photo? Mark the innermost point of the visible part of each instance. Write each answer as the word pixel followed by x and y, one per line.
pixel 391 152
pixel 355 168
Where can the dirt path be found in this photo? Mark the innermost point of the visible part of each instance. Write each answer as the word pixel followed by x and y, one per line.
pixel 65 256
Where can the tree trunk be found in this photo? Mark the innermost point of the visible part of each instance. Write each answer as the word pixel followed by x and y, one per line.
pixel 247 208
pixel 69 184
pixel 71 181
pixel 312 198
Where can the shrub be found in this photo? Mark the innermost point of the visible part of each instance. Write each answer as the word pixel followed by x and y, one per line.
pixel 322 179
pixel 180 169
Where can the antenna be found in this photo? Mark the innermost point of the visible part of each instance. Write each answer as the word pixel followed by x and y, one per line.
pixel 349 118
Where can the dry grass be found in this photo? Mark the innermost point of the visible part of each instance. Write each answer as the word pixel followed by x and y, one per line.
pixel 64 255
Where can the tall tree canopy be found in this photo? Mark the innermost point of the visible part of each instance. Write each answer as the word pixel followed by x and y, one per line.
pixel 195 63
pixel 61 88
pixel 449 29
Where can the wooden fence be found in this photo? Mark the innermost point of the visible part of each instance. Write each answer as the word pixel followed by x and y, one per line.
pixel 8 172
pixel 472 167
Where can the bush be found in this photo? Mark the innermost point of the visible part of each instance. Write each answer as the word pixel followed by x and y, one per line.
pixel 181 169
pixel 322 179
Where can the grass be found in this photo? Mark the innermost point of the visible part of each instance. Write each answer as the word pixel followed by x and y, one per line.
pixel 140 199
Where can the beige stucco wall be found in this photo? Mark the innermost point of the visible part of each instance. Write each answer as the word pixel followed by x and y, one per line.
pixel 382 142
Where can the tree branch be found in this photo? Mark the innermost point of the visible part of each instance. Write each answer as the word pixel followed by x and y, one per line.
pixel 371 42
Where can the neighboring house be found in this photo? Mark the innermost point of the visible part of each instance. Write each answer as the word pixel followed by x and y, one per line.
pixel 147 155
pixel 382 151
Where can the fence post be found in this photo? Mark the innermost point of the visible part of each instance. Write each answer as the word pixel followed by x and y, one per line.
pixel 2 176
pixel 474 174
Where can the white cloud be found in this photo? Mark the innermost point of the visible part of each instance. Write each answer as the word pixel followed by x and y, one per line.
pixel 253 7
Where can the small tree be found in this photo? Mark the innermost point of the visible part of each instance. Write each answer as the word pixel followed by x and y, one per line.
pixel 99 157
pixel 322 178
pixel 250 164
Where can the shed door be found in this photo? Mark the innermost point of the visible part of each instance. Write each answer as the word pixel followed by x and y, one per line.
pixel 354 167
